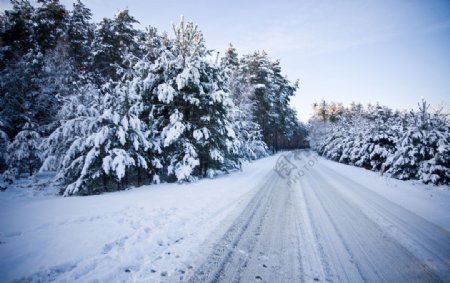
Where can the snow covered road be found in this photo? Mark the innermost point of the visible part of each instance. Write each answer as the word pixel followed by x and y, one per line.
pixel 335 223
pixel 327 227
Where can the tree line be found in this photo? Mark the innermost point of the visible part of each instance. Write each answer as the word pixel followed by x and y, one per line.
pixel 107 105
pixel 402 144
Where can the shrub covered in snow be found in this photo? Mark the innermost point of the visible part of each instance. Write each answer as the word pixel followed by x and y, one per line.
pixel 414 145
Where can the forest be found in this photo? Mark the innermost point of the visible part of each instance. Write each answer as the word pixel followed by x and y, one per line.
pixel 106 105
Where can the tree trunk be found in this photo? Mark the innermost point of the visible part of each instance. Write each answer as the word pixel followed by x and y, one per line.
pixel 139 176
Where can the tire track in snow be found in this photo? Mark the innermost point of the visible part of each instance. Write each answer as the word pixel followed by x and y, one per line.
pixel 228 258
pixel 339 264
pixel 429 243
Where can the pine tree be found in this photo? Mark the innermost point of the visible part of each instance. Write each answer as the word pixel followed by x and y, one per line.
pixel 20 86
pixel 113 38
pixel 78 111
pixel 321 110
pixel 241 91
pixel 192 110
pixel 51 20
pixel 80 36
pixel 282 119
pixel 436 168
pixel 230 62
pixel 411 149
pixel 4 142
pixel 16 31
pixel 255 66
pixel 113 144
pixel 23 152
pixel 379 138
pixel 272 93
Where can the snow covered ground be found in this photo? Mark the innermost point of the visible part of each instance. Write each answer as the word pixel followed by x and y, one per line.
pixel 145 234
pixel 169 232
pixel 428 201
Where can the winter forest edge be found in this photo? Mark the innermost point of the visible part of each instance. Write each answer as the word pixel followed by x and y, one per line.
pixel 108 106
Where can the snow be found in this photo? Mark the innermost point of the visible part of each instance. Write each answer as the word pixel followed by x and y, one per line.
pixel 166 93
pixel 121 135
pixel 99 237
pixel 117 161
pixel 162 233
pixel 428 201
pixel 329 227
pixel 216 155
pixel 174 130
pixel 230 132
pixel 189 74
pixel 197 134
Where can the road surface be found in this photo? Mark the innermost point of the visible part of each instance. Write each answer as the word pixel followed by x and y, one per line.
pixel 324 227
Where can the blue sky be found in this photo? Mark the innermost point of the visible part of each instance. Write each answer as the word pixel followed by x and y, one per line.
pixel 392 52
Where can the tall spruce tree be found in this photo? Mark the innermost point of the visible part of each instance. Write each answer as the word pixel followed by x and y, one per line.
pixel 113 39
pixel 192 110
pixel 50 20
pixel 238 84
pixel 80 36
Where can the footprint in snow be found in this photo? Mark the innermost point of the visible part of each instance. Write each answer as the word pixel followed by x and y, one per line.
pixel 178 240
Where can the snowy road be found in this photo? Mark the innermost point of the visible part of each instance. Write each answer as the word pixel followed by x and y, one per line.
pixel 326 227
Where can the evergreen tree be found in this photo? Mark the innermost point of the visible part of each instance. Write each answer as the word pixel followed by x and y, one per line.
pixel 113 144
pixel 78 111
pixel 422 152
pixel 21 96
pixel 17 35
pixel 113 38
pixel 379 138
pixel 23 152
pixel 50 20
pixel 4 142
pixel 282 119
pixel 436 170
pixel 80 36
pixel 321 110
pixel 272 93
pixel 255 66
pixel 192 110
pixel 242 92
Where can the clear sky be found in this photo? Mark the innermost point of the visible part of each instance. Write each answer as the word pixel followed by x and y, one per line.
pixel 388 51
